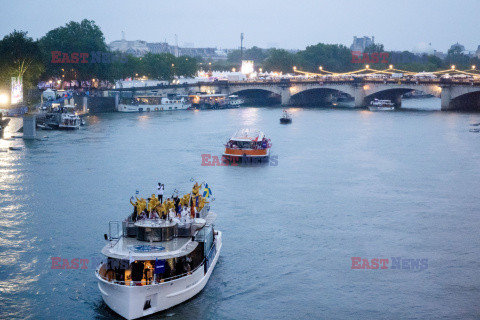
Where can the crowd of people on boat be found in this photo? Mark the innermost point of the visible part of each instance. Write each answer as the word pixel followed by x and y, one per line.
pixel 255 145
pixel 183 208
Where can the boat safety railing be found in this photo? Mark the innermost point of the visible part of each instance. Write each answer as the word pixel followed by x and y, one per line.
pixel 205 262
pixel 114 230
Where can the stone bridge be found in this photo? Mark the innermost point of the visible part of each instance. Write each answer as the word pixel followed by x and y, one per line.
pixel 455 95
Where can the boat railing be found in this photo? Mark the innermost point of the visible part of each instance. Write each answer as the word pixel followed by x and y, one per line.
pixel 156 282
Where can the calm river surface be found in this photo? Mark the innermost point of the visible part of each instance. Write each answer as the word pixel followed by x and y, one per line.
pixel 349 183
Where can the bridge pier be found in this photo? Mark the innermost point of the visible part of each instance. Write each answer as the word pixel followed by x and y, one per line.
pixel 446 98
pixel 397 100
pixel 286 96
pixel 359 95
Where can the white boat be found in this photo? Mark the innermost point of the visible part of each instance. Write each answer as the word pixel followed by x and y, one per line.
pixel 155 264
pixel 235 101
pixel 153 103
pixel 62 118
pixel 286 117
pixel 381 105
pixel 69 121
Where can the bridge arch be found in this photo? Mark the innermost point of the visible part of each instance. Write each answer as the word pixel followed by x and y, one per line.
pixel 320 94
pixel 258 94
pixel 381 89
pixel 468 101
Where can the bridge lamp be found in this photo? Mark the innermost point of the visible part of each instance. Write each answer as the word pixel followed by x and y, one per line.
pixel 453 67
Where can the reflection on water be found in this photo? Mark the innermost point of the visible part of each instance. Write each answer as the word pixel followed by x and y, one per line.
pixel 17 242
pixel 348 183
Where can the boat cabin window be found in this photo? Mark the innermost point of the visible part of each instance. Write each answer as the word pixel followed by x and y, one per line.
pixel 149 272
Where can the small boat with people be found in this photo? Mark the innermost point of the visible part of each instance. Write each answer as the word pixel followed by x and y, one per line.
pixel 250 145
pixel 63 118
pixel 286 117
pixel 154 103
pixel 235 101
pixel 381 105
pixel 161 255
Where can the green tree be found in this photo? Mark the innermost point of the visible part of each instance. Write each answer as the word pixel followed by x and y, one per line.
pixel 186 66
pixel 78 37
pixel 20 57
pixel 457 58
pixel 332 57
pixel 159 66
pixel 280 60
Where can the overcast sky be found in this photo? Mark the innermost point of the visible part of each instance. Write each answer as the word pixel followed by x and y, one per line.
pixel 398 24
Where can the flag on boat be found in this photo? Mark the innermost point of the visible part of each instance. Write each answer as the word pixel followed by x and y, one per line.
pixel 137 192
pixel 159 266
pixel 207 192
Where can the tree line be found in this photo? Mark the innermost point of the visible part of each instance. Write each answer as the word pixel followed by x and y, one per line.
pixel 58 55
pixel 338 58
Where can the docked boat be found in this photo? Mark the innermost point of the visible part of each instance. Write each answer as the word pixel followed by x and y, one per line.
pixel 286 117
pixel 248 145
pixel 154 103
pixel 62 118
pixel 381 105
pixel 161 261
pixel 235 101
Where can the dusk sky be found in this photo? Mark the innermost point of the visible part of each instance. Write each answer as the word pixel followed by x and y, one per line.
pixel 399 25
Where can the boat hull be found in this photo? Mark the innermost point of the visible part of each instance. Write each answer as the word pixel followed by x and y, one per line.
pixel 389 108
pixel 285 120
pixel 129 301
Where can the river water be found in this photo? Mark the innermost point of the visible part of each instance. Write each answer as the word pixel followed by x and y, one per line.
pixel 348 183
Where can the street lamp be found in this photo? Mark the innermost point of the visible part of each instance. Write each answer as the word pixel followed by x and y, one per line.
pixel 233 69
pixel 473 67
pixel 320 68
pixel 260 70
pixel 294 68
pixel 453 67
pixel 367 66
pixel 390 66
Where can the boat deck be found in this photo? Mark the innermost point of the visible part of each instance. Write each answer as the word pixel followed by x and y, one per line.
pixel 125 248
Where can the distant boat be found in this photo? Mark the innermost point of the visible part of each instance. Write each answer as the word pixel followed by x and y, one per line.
pixel 286 117
pixel 381 105
pixel 154 103
pixel 235 101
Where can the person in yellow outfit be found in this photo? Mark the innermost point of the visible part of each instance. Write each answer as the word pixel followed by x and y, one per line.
pixel 142 205
pixel 161 210
pixel 137 209
pixel 153 203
